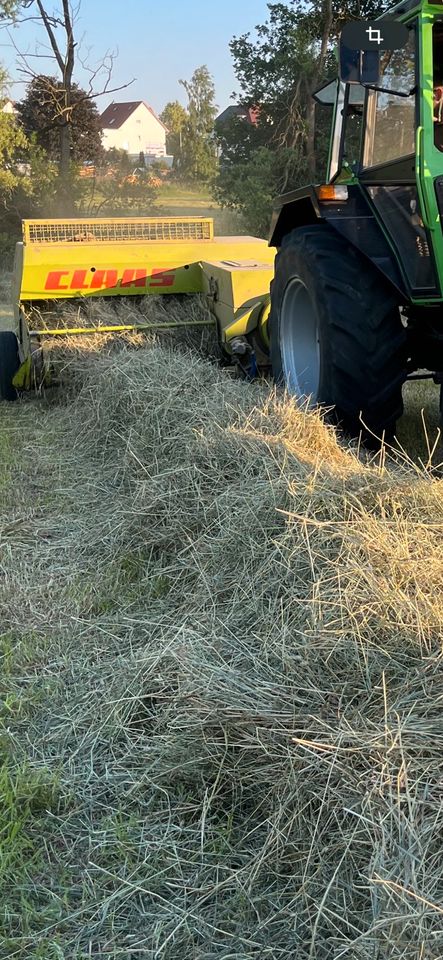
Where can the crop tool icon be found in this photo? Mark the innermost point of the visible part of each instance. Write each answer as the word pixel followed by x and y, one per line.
pixel 374 35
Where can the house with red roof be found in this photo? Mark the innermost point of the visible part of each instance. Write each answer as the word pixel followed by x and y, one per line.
pixel 238 111
pixel 134 127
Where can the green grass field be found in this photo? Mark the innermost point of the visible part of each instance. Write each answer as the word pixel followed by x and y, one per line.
pixel 128 825
pixel 220 657
pixel 220 666
pixel 175 200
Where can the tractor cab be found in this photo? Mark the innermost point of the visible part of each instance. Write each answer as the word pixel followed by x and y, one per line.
pixel 386 147
pixel 376 125
pixel 387 138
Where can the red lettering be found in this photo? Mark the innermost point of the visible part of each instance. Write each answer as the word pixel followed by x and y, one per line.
pixel 162 278
pixel 134 278
pixel 78 280
pixel 104 278
pixel 54 279
pixel 109 279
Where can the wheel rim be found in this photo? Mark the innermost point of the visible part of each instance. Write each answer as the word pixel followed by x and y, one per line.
pixel 299 340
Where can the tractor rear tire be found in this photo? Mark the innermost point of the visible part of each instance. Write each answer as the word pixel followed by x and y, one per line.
pixel 9 364
pixel 337 340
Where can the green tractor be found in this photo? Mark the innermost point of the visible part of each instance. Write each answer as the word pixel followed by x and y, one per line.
pixel 357 296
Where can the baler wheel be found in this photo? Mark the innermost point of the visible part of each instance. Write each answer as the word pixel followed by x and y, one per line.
pixel 9 364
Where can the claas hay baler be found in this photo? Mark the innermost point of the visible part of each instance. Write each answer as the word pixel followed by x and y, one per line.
pixel 356 290
pixel 80 259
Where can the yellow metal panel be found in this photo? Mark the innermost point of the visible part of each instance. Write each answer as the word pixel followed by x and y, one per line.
pixel 245 320
pixel 238 288
pixel 239 281
pixel 16 283
pixel 60 271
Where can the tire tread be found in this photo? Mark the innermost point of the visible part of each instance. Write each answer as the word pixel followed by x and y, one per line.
pixel 365 334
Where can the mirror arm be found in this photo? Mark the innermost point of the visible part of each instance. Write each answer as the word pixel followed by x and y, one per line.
pixel 396 93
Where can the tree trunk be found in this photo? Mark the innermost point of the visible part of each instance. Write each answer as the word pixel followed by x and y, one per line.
pixel 310 110
pixel 66 202
pixel 66 206
pixel 310 137
pixel 65 133
pixel 65 151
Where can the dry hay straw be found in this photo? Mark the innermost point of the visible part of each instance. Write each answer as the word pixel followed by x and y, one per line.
pixel 116 311
pixel 242 641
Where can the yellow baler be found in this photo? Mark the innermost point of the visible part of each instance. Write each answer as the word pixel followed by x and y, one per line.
pixel 65 259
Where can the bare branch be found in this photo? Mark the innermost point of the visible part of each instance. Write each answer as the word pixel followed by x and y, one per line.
pixel 51 34
pixel 23 57
pixel 19 20
pixel 106 90
pixel 60 96
pixel 70 44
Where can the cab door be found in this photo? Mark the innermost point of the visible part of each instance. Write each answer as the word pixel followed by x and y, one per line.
pixel 389 172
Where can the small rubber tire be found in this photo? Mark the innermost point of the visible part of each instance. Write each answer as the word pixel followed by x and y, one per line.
pixel 9 364
pixel 361 342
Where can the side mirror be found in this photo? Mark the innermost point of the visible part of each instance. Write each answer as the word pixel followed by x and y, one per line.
pixel 359 66
pixel 360 45
pixel 326 95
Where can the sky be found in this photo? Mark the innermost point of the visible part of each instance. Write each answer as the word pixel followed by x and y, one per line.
pixel 158 43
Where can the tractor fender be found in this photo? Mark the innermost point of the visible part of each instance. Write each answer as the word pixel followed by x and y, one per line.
pixel 353 219
pixel 296 209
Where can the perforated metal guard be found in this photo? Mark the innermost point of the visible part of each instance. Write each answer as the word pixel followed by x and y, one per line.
pixel 118 231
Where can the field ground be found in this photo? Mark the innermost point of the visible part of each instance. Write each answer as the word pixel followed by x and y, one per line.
pixel 202 753
pixel 417 431
pixel 220 655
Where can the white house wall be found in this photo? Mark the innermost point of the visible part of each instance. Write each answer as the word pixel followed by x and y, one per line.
pixel 140 132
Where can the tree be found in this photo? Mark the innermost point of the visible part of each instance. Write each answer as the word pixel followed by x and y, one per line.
pixel 277 69
pixel 58 26
pixel 199 154
pixel 174 117
pixel 8 9
pixel 12 143
pixel 41 113
pixel 249 187
pixel 26 178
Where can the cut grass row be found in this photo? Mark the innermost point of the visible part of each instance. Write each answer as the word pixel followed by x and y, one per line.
pixel 29 794
pixel 173 546
pixel 221 661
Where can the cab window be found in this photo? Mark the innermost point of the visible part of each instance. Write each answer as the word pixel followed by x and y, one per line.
pixel 390 119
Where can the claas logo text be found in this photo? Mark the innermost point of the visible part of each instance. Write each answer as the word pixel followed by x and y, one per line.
pixel 85 280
